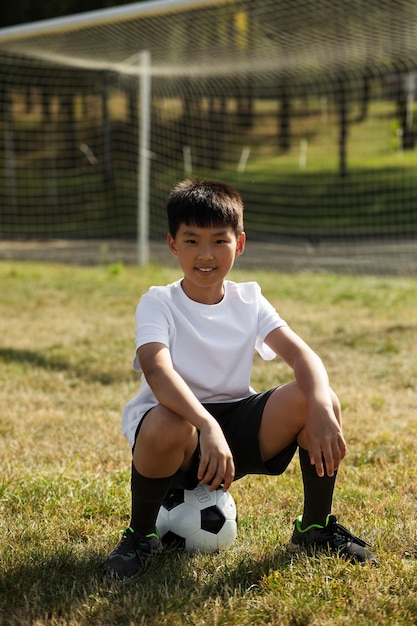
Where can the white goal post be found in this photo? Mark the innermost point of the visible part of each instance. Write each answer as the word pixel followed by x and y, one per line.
pixel 144 157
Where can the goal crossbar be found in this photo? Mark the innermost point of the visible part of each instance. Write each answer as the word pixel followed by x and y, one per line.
pixel 99 17
pixel 305 39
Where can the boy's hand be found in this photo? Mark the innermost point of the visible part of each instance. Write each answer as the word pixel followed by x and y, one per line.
pixel 325 441
pixel 216 463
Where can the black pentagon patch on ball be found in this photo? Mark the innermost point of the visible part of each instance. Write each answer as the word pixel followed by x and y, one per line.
pixel 212 519
pixel 171 540
pixel 174 498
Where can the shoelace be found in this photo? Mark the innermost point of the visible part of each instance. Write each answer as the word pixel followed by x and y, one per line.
pixel 139 545
pixel 345 534
pixel 127 535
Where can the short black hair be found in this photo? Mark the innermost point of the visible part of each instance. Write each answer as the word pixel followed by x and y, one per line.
pixel 204 203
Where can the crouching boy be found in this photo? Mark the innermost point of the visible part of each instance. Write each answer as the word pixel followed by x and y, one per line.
pixel 196 418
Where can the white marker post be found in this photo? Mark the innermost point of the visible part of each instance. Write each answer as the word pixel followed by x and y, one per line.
pixel 144 157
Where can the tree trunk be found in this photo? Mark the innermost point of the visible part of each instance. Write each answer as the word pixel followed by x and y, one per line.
pixel 341 100
pixel 11 178
pixel 284 119
pixel 407 135
pixel 69 129
pixel 108 172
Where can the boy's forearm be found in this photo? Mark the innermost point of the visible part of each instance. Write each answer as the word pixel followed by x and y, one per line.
pixel 312 377
pixel 172 392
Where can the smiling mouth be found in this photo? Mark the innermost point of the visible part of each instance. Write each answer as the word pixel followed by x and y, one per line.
pixel 205 270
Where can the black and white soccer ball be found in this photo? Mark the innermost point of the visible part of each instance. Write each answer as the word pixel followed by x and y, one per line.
pixel 198 519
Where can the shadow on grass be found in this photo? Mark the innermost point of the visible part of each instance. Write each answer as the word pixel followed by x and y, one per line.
pixel 65 588
pixel 56 363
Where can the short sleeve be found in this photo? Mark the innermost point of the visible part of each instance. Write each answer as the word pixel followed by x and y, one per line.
pixel 268 320
pixel 153 321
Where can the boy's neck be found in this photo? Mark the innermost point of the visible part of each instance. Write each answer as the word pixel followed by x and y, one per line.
pixel 207 295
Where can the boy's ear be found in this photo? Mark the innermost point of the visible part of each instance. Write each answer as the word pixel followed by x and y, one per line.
pixel 240 244
pixel 171 244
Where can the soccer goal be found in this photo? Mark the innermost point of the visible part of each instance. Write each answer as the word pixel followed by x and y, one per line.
pixel 306 107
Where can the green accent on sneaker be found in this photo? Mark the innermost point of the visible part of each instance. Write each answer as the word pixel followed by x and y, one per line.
pixel 305 530
pixel 155 534
pixel 131 554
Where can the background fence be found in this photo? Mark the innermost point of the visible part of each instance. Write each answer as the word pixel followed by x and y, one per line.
pixel 306 107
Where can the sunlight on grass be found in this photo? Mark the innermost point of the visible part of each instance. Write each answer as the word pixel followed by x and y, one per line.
pixel 65 362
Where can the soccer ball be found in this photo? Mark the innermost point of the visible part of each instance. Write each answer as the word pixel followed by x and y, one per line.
pixel 198 519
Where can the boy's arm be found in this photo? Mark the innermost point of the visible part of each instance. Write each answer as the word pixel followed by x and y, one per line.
pixel 170 389
pixel 323 432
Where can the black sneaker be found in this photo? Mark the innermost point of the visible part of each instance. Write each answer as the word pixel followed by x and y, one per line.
pixel 332 537
pixel 131 554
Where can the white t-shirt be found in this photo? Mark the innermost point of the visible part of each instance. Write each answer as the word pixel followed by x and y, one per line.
pixel 211 346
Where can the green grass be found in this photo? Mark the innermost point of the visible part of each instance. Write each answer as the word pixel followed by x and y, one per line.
pixel 65 366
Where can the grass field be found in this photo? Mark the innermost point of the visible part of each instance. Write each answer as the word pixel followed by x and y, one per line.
pixel 65 365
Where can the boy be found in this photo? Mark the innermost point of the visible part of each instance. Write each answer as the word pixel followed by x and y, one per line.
pixel 196 419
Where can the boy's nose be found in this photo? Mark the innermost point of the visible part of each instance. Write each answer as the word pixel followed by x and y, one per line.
pixel 205 253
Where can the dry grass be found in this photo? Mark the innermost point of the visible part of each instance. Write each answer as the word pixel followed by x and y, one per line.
pixel 65 354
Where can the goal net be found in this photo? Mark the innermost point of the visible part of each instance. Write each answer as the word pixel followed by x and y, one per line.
pixel 306 106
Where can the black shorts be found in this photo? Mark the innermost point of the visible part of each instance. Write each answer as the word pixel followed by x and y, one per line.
pixel 240 422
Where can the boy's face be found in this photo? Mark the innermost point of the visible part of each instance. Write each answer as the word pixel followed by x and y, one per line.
pixel 206 255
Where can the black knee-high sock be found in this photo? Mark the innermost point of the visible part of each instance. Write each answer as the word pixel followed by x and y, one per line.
pixel 147 497
pixel 318 492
